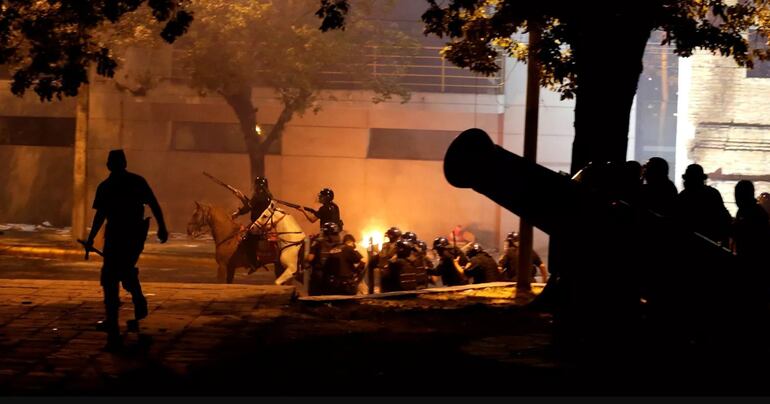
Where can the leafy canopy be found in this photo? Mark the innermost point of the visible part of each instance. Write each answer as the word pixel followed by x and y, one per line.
pixel 49 44
pixel 238 44
pixel 478 31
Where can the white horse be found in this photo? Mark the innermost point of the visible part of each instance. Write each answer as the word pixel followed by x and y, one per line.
pixel 281 226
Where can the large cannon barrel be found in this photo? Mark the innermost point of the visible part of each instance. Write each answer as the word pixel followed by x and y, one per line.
pixel 607 253
pixel 525 188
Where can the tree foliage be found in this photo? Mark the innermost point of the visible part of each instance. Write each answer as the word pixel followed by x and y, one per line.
pixel 478 31
pixel 246 43
pixel 49 45
pixel 589 50
pixel 236 45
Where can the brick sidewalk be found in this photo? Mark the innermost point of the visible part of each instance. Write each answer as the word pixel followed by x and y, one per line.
pixel 244 339
pixel 49 341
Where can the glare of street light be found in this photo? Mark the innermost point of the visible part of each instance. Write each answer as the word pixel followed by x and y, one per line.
pixel 258 130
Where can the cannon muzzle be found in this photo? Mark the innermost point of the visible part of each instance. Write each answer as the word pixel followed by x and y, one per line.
pixel 521 186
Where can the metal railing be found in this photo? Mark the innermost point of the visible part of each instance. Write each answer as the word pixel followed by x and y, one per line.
pixel 421 69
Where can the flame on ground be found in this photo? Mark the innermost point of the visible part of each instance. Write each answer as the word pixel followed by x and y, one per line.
pixel 372 235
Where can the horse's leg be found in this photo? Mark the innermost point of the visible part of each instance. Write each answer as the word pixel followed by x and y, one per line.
pixel 289 262
pixel 221 273
pixel 230 273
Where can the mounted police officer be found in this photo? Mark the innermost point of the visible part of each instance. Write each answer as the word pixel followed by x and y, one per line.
pixel 328 212
pixel 259 201
pixel 120 200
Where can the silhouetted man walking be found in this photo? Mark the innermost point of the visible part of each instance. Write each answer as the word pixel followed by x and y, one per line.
pixel 120 200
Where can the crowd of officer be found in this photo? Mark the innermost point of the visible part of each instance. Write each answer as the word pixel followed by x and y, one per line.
pixel 404 262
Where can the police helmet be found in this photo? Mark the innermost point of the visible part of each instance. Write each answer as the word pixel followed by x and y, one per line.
pixel 512 237
pixel 260 183
pixel 393 234
pixel 409 236
pixel 474 250
pixel 326 195
pixel 421 246
pixel 403 248
pixel 440 243
pixel 330 228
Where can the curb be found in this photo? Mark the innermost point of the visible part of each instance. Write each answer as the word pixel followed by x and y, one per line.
pixel 70 254
pixel 410 293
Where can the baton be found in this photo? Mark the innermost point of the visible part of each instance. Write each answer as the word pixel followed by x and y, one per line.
pixel 89 248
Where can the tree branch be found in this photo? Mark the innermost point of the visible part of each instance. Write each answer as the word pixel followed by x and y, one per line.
pixel 280 124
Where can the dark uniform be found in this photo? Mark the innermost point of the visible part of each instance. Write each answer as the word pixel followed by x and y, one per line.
pixel 399 274
pixel 342 270
pixel 388 249
pixel 120 200
pixel 259 201
pixel 329 212
pixel 421 263
pixel 483 269
pixel 320 251
pixel 509 263
pixel 446 268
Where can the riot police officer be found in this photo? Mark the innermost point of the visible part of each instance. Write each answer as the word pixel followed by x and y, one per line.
pixel 388 250
pixel 446 266
pixel 422 264
pixel 259 201
pixel 328 212
pixel 482 267
pixel 509 262
pixel 319 253
pixel 399 273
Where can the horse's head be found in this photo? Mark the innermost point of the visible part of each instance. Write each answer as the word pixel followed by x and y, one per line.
pixel 199 220
pixel 270 215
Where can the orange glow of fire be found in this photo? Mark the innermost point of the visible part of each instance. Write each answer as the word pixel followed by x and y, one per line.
pixel 372 237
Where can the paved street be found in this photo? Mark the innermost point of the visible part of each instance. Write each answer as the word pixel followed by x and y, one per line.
pixel 13 267
pixel 37 252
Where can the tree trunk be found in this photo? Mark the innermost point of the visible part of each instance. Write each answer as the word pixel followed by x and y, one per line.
pixel 608 60
pixel 257 145
pixel 244 110
pixel 80 185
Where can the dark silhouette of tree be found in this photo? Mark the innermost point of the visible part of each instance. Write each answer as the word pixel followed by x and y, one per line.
pixel 49 45
pixel 590 51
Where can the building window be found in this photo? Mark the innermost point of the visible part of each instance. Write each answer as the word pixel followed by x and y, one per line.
pixel 761 68
pixel 409 144
pixel 214 137
pixel 37 131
